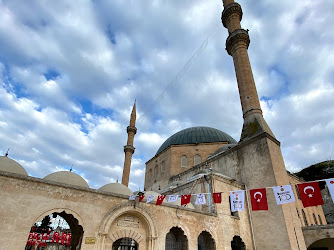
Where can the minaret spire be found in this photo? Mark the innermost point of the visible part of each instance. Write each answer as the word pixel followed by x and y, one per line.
pixel 236 45
pixel 129 149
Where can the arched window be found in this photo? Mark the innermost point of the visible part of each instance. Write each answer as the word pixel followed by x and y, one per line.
pixel 304 217
pixel 162 167
pixel 197 159
pixel 237 243
pixel 205 241
pixel 235 214
pixel 150 174
pixel 315 219
pixel 125 243
pixel 63 230
pixel 176 240
pixel 184 161
pixel 156 170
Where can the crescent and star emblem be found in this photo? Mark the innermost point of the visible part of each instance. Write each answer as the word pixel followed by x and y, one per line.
pixel 309 187
pixel 258 200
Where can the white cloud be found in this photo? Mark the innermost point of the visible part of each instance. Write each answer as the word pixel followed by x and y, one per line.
pixel 70 74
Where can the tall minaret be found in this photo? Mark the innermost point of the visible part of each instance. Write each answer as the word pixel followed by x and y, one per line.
pixel 129 149
pixel 236 45
pixel 261 162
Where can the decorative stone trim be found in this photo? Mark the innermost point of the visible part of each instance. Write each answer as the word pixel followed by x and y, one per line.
pixel 131 129
pixel 237 37
pixel 126 233
pixel 229 10
pixel 129 148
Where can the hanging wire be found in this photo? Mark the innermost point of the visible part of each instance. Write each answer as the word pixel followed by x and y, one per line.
pixel 180 74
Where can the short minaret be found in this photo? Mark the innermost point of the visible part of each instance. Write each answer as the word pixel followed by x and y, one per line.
pixel 236 45
pixel 129 149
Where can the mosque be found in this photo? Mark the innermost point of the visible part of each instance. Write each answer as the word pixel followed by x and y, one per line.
pixel 195 160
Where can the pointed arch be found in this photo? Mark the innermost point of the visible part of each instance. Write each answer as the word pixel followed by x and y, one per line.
pixel 205 241
pixel 176 239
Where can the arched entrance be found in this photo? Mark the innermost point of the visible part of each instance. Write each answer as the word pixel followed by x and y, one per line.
pixel 57 230
pixel 206 242
pixel 125 244
pixel 176 240
pixel 323 244
pixel 237 243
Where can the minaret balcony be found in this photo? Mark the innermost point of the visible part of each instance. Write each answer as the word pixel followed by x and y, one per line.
pixel 129 148
pixel 236 38
pixel 231 10
pixel 131 129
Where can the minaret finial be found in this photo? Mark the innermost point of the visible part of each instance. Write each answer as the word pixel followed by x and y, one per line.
pixel 7 152
pixel 129 149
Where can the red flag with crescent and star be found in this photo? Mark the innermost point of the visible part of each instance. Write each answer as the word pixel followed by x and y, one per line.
pixel 310 194
pixel 217 197
pixel 258 199
pixel 185 199
pixel 160 199
pixel 141 197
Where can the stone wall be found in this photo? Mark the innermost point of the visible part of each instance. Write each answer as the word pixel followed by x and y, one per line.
pixel 108 217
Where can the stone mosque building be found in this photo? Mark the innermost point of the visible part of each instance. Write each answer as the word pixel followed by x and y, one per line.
pixel 194 160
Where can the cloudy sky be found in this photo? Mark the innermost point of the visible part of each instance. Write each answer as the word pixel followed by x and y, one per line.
pixel 71 70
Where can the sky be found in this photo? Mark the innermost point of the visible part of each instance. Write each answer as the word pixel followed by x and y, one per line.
pixel 70 72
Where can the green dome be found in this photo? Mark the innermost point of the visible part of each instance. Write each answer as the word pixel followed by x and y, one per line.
pixel 196 135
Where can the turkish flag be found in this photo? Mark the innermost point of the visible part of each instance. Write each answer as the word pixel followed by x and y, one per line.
pixel 160 199
pixel 217 197
pixel 258 199
pixel 185 199
pixel 310 194
pixel 141 197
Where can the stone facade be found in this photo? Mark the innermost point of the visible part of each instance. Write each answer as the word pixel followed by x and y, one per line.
pixel 108 217
pixel 171 159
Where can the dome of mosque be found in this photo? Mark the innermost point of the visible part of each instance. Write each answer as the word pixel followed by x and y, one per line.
pixel 9 165
pixel 117 188
pixel 67 177
pixel 196 135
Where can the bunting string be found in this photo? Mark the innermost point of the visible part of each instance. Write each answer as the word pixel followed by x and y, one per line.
pixel 309 193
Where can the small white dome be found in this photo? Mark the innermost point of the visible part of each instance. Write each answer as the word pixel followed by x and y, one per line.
pixel 117 188
pixel 67 177
pixel 9 165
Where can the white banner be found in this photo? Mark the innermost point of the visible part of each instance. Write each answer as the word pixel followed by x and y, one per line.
pixel 132 197
pixel 237 200
pixel 150 198
pixel 200 200
pixel 172 198
pixel 330 185
pixel 284 194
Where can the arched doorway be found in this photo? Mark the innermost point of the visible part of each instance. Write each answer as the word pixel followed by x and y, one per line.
pixel 237 243
pixel 176 240
pixel 125 244
pixel 323 244
pixel 57 230
pixel 206 242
